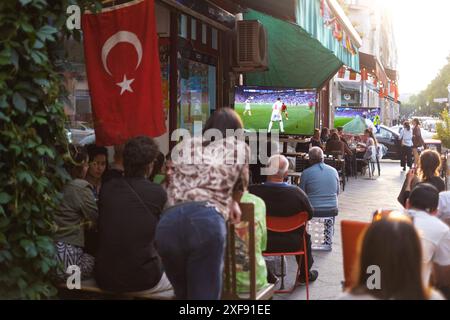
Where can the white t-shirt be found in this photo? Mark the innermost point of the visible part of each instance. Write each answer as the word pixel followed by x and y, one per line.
pixel 435 237
pixel 444 205
pixel 406 137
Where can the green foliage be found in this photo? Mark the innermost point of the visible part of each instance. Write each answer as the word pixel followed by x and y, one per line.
pixel 32 143
pixel 443 129
pixel 436 89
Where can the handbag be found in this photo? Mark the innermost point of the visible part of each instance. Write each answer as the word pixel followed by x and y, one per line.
pixel 402 197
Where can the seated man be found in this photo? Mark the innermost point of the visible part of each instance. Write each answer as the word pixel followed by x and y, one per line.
pixel 129 210
pixel 434 234
pixel 285 200
pixel 321 184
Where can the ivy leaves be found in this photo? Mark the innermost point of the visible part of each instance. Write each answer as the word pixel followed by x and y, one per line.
pixel 32 143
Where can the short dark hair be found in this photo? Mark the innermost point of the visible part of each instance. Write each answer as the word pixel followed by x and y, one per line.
pixel 425 197
pixel 139 152
pixel 340 129
pixel 94 150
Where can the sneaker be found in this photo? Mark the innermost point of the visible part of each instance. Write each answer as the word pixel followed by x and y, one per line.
pixel 313 275
pixel 271 278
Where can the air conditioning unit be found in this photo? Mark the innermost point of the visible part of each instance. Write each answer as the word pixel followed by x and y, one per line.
pixel 251 47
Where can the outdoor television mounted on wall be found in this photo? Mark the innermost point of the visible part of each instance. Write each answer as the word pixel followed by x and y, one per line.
pixel 290 111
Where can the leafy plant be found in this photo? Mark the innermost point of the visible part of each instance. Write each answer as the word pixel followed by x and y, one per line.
pixel 443 129
pixel 32 142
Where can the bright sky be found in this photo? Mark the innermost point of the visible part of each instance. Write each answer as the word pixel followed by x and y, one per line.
pixel 422 30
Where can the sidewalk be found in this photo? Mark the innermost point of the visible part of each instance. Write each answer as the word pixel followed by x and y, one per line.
pixel 361 198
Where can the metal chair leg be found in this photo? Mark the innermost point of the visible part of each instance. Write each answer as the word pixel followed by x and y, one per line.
pixel 282 273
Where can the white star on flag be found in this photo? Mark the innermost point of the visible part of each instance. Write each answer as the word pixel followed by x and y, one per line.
pixel 125 85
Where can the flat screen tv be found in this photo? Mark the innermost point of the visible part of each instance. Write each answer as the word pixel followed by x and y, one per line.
pixel 356 120
pixel 289 110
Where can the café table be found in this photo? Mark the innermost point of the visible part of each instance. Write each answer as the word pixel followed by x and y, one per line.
pixel 294 177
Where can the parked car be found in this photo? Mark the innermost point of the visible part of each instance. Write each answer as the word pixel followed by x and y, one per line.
pixel 90 139
pixel 426 134
pixel 68 135
pixel 80 130
pixel 391 139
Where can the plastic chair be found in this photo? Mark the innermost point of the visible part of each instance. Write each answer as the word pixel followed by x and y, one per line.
pixel 351 232
pixel 287 224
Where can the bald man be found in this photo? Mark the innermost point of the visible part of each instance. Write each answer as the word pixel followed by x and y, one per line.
pixel 283 200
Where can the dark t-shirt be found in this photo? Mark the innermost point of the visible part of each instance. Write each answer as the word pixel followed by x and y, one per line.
pixel 283 200
pixel 111 174
pixel 127 260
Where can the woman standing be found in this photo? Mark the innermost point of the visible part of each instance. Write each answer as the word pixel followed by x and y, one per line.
pixel 406 137
pixel 207 179
pixel 417 140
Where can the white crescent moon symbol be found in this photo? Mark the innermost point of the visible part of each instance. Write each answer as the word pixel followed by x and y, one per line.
pixel 121 36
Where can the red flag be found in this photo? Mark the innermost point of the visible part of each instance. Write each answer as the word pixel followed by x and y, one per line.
pixel 122 62
pixel 341 73
pixel 352 75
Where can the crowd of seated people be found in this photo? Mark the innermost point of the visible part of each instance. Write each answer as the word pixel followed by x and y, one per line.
pixel 160 225
pixel 156 225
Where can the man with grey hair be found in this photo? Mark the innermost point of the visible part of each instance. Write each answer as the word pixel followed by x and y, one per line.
pixel 284 200
pixel 321 183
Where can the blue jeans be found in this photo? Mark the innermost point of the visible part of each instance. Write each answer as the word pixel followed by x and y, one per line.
pixel 190 239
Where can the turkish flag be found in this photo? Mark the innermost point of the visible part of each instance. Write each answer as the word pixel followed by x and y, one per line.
pixel 124 77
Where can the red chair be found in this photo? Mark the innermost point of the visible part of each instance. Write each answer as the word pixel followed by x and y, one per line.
pixel 287 224
pixel 352 232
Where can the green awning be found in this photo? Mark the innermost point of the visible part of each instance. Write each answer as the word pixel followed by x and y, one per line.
pixel 308 16
pixel 296 58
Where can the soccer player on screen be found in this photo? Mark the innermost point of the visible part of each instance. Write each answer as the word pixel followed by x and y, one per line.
pixel 276 115
pixel 247 108
pixel 284 110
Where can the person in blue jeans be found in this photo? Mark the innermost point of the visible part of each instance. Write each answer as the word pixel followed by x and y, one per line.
pixel 191 241
pixel 204 190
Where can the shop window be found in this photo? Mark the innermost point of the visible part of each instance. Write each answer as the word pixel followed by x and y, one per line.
pixel 215 39
pixel 183 26
pixel 204 33
pixel 193 29
pixel 198 93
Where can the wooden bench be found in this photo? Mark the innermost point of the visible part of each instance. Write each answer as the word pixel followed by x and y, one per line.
pixel 230 283
pixel 90 290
